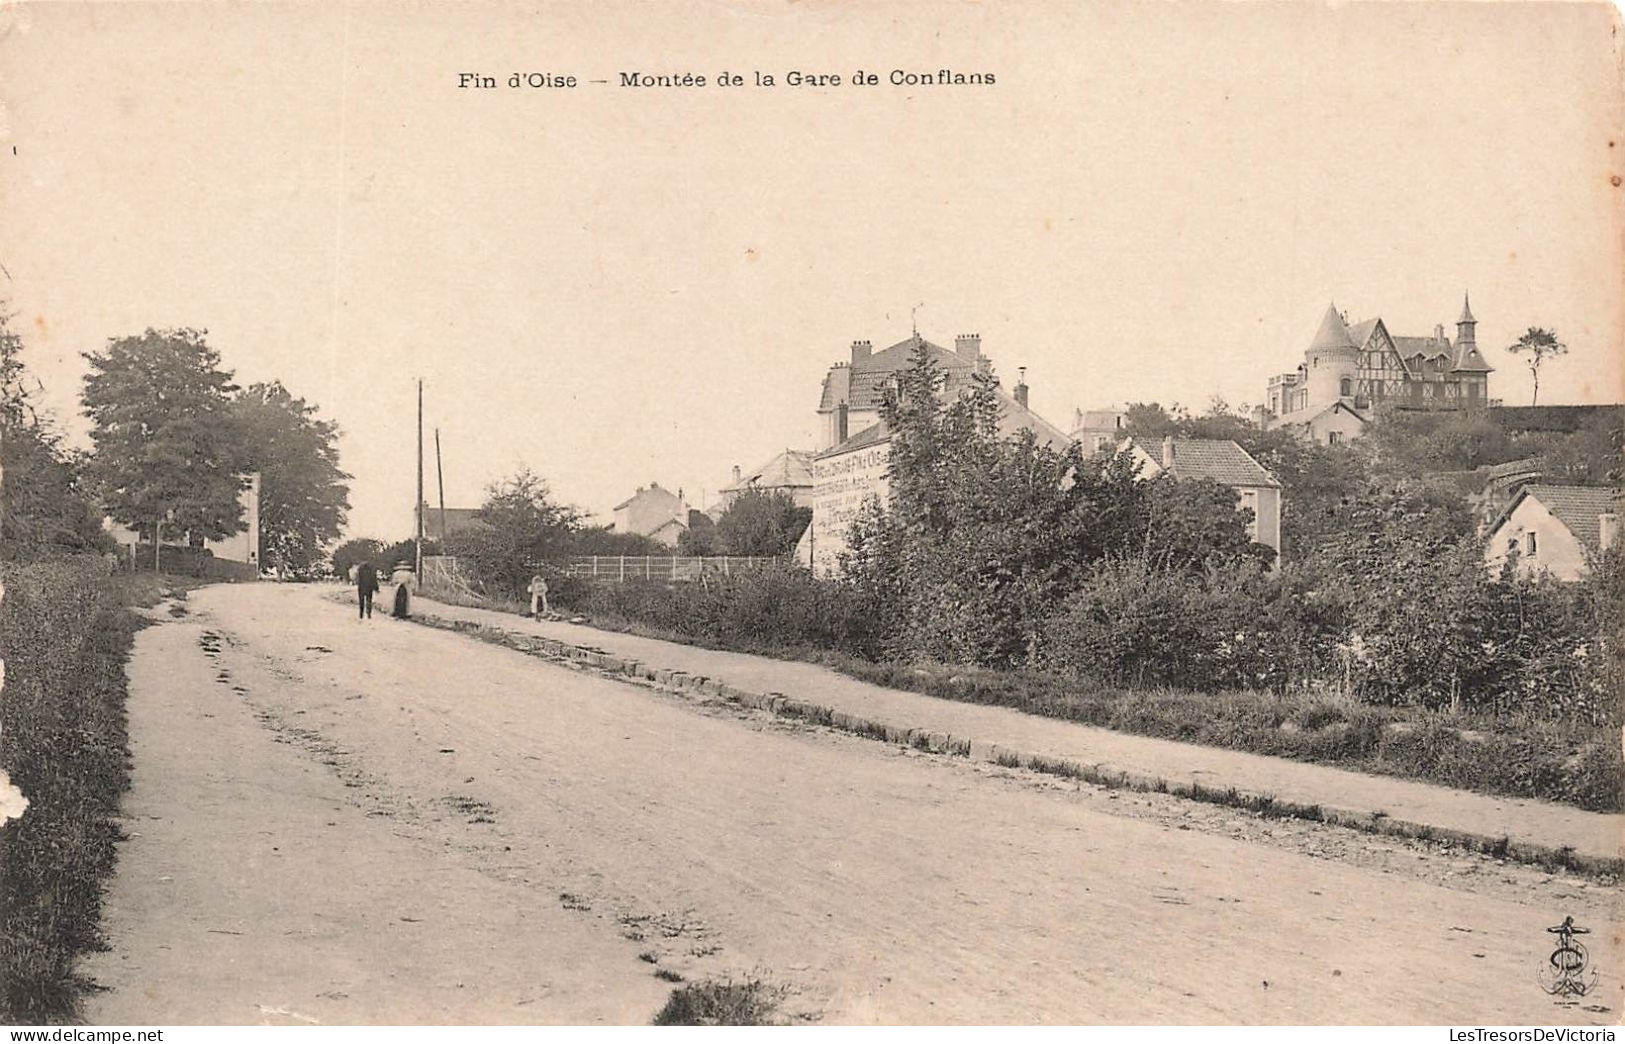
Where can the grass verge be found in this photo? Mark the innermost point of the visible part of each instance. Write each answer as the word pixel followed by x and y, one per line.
pixel 66 630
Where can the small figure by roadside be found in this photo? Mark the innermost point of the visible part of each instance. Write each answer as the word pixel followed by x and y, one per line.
pixel 366 585
pixel 538 596
pixel 403 579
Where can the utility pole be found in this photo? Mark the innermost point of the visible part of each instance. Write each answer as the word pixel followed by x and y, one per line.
pixel 418 565
pixel 440 480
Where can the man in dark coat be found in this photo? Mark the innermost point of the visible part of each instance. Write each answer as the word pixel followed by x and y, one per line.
pixel 366 585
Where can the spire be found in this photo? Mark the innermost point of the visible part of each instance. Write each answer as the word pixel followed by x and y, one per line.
pixel 1466 338
pixel 1333 333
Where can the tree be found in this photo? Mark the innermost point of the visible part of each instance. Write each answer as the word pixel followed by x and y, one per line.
pixel 45 504
pixel 521 527
pixel 304 496
pixel 1536 346
pixel 603 540
pixel 166 446
pixel 761 522
pixel 1151 420
pixel 982 534
pixel 1590 456
pixel 700 538
pixel 1193 525
pixel 354 552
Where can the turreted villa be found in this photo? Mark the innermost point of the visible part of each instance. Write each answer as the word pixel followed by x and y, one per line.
pixel 1349 372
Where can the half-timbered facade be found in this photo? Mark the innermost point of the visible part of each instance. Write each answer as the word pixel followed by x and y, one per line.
pixel 1356 370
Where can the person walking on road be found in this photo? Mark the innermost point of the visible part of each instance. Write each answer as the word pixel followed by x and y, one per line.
pixel 538 596
pixel 366 585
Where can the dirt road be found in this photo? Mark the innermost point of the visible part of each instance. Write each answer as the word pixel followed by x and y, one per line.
pixel 338 822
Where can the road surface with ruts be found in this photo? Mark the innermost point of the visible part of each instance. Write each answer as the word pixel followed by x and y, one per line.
pixel 337 821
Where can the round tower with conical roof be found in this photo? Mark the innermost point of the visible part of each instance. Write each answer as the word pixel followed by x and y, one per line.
pixel 1332 363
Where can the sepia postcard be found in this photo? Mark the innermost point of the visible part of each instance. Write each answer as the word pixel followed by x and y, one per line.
pixel 820 513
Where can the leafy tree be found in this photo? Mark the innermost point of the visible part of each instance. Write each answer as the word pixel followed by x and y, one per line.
pixel 1590 456
pixel 603 540
pixel 166 447
pixel 1536 346
pixel 1195 526
pixel 354 552
pixel 1408 444
pixel 403 551
pixel 46 507
pixel 982 534
pixel 522 527
pixel 700 538
pixel 304 496
pixel 761 522
pixel 1152 420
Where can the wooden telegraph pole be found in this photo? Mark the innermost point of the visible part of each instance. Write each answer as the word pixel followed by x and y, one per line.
pixel 418 565
pixel 440 480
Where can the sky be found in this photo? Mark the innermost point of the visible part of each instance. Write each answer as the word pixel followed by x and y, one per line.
pixel 614 285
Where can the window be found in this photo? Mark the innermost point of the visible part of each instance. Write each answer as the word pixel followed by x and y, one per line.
pixel 1345 387
pixel 1333 438
pixel 1529 546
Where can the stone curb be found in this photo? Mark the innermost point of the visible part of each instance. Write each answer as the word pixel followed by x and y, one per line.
pixel 936 742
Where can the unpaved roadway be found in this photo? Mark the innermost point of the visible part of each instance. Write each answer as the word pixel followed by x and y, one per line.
pixel 338 822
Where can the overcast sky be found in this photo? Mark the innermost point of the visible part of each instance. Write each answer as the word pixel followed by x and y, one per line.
pixel 616 285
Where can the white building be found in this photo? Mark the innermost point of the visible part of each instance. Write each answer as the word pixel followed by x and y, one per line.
pixel 853 464
pixel 1559 530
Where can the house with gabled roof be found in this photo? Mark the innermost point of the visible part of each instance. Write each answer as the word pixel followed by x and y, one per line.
pixel 852 463
pixel 1351 372
pixel 789 472
pixel 655 512
pixel 1222 461
pixel 854 391
pixel 1558 530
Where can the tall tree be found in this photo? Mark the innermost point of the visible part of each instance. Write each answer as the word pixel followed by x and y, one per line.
pixel 521 526
pixel 44 506
pixel 1536 346
pixel 167 452
pixel 355 551
pixel 304 496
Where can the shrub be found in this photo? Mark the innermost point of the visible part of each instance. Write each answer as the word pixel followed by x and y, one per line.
pixel 770 606
pixel 728 1003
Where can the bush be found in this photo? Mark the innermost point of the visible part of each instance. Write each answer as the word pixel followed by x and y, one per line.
pixel 772 606
pixel 728 1003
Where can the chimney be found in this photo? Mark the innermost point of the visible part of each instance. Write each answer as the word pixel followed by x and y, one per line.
pixel 861 350
pixel 1438 332
pixel 736 474
pixel 1167 451
pixel 840 424
pixel 1607 530
pixel 1020 389
pixel 969 346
